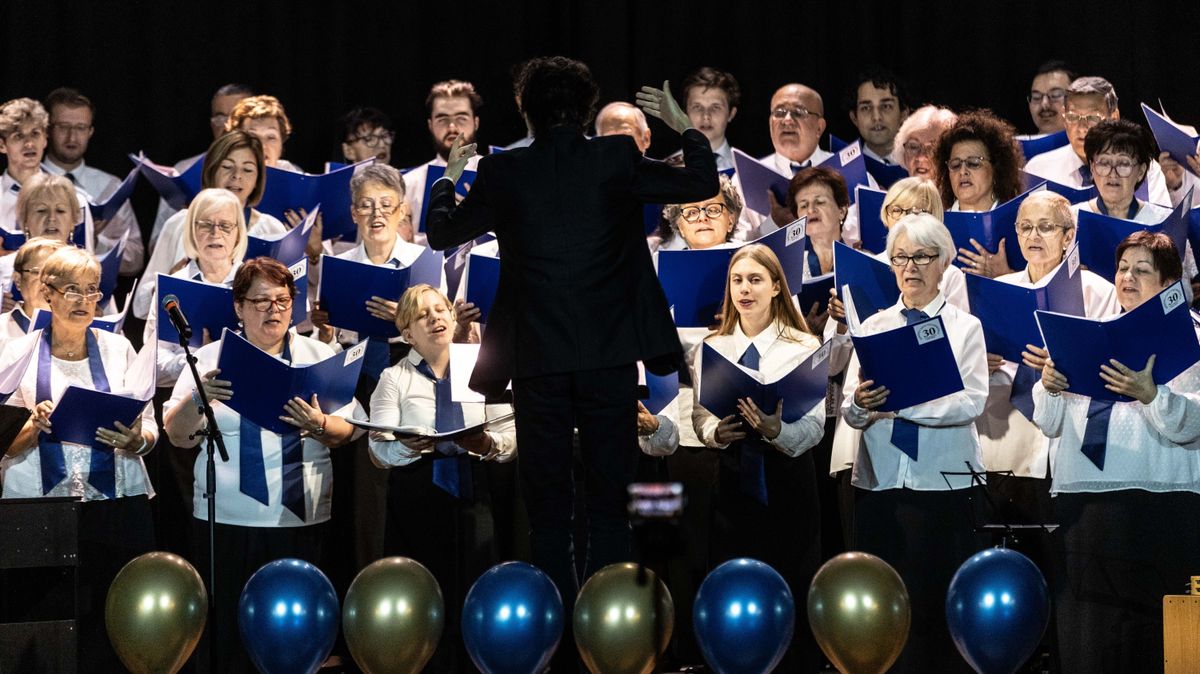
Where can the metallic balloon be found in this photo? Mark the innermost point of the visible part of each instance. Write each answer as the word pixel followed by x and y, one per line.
pixel 288 617
pixel 859 612
pixel 743 617
pixel 393 617
pixel 997 608
pixel 155 613
pixel 512 620
pixel 616 619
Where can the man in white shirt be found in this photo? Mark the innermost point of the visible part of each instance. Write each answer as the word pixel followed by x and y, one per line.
pixel 1091 100
pixel 620 117
pixel 877 106
pixel 1048 94
pixel 222 103
pixel 452 108
pixel 71 128
pixel 711 99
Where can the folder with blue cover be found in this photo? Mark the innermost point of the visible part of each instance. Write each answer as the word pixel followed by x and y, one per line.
pixel 851 163
pixel 1006 309
pixel 108 208
pixel 660 392
pixel 694 283
pixel 291 190
pixel 177 189
pixel 1074 195
pixel 756 178
pixel 288 248
pixel 885 175
pixel 206 305
pixel 915 363
pixel 871 230
pixel 482 278
pixel 80 411
pixel 723 383
pixel 1175 141
pixel 262 383
pixel 988 228
pixel 1035 145
pixel 1161 326
pixel 872 282
pixel 1098 236
pixel 346 286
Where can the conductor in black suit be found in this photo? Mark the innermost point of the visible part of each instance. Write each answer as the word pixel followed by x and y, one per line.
pixel 578 303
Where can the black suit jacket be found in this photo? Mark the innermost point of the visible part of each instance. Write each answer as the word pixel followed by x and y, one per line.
pixel 577 287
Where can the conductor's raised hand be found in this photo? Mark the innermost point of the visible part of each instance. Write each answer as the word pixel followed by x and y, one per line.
pixel 456 163
pixel 661 104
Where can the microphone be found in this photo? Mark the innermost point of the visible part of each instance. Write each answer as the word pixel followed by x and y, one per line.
pixel 170 304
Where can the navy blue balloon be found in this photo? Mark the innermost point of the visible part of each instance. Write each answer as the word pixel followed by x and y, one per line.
pixel 997 609
pixel 288 616
pixel 743 616
pixel 512 620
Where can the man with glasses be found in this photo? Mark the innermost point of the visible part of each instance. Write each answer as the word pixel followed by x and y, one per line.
pixel 452 108
pixel 1047 95
pixel 366 133
pixel 1089 101
pixel 71 116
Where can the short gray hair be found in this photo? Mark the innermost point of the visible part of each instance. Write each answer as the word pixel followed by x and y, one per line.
pixel 376 173
pixel 617 105
pixel 924 230
pixel 1060 207
pixel 1094 86
pixel 926 116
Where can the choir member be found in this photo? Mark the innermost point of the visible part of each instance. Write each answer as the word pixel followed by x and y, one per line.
pixel 115 523
pixel 366 133
pixel 273 495
pixel 27 279
pixel 264 118
pixel 766 504
pixel 1047 96
pixel 877 106
pixel 47 206
pixel 1126 477
pixel 452 110
pixel 711 99
pixel 907 511
pixel 916 141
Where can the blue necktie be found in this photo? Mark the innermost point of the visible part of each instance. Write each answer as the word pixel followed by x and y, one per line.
pixel 906 434
pixel 796 167
pixel 21 320
pixel 15 188
pixel 814 264
pixel 1021 396
pixel 1085 176
pixel 252 471
pixel 1095 433
pixel 451 471
pixel 378 355
pixel 752 467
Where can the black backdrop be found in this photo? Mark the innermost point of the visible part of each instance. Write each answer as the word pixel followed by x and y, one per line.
pixel 151 67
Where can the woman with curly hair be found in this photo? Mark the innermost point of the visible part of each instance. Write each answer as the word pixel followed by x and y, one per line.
pixel 978 163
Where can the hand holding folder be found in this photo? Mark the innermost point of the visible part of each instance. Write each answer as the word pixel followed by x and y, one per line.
pixel 346 286
pixel 914 362
pixel 723 383
pixel 1099 235
pixel 291 191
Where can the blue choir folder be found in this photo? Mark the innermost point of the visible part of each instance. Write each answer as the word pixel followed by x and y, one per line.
pixel 482 278
pixel 1194 229
pixel 80 411
pixel 1175 141
pixel 291 190
pixel 884 174
pixel 1006 310
pixel 346 286
pixel 988 227
pixel 262 384
pixel 14 240
pixel 433 173
pixel 723 383
pixel 288 248
pixel 694 283
pixel 1099 235
pixel 110 265
pixel 790 245
pixel 1032 146
pixel 660 391
pixel 108 208
pixel 1074 195
pixel 206 306
pixel 1161 326
pixel 850 162
pixel 872 282
pixel 177 189
pixel 915 362
pixel 871 230
pixel 756 178
pixel 815 291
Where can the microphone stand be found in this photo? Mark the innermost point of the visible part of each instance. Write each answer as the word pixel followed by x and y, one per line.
pixel 213 443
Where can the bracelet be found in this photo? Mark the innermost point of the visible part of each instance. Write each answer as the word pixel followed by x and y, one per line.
pixel 1054 394
pixel 321 431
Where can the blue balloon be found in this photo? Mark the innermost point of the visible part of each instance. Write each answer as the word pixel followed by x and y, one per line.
pixel 288 616
pixel 997 609
pixel 743 617
pixel 512 620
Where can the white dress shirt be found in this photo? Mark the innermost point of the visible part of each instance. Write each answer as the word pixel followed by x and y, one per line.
pixel 414 190
pixel 1011 442
pixel 780 350
pixel 236 508
pixel 171 358
pixel 406 397
pixel 1061 165
pixel 100 185
pixel 882 159
pixel 1153 447
pixel 946 434
pixel 9 328
pixel 21 474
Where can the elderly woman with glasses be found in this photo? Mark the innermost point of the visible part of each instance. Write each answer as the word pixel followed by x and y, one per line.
pixel 916 141
pixel 907 512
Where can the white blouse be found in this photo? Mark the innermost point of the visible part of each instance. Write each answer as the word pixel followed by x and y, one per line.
pixel 171 358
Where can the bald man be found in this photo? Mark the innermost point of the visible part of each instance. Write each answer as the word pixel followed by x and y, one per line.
pixel 620 117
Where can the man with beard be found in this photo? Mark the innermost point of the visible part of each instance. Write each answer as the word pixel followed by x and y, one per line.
pixel 71 116
pixel 452 107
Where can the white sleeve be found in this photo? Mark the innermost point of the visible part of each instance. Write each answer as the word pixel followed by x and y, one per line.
pixel 665 440
pixel 385 409
pixel 504 433
pixel 799 436
pixel 1049 411
pixel 1175 415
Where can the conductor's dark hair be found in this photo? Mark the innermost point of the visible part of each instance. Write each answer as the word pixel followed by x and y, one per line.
pixel 371 118
pixel 557 91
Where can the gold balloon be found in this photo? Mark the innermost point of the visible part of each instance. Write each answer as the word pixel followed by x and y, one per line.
pixel 859 612
pixel 393 616
pixel 615 621
pixel 155 613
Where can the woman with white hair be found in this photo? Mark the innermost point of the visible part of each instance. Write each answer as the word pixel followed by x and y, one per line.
pixel 907 511
pixel 916 141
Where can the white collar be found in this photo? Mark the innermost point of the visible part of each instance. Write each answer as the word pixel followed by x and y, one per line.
pixel 762 341
pixel 50 167
pixel 932 309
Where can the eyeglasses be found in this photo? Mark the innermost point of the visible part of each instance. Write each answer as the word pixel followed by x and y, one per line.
pixel 265 304
pixel 914 149
pixel 69 128
pixel 208 226
pixel 972 163
pixel 374 140
pixel 1074 118
pixel 72 294
pixel 711 211
pixel 920 259
pixel 1056 96
pixel 1103 168
pixel 1026 228
pixel 367 206
pixel 897 212
pixel 799 114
